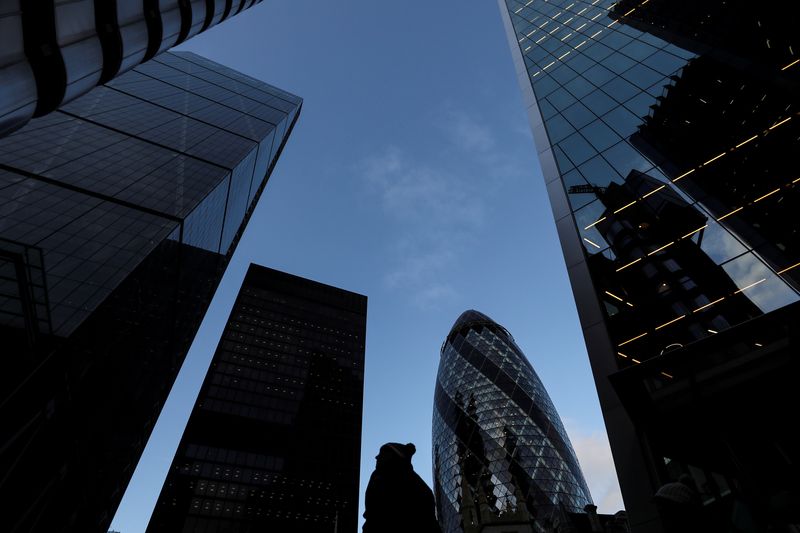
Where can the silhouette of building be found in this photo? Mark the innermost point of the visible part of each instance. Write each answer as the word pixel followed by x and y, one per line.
pixel 501 455
pixel 662 130
pixel 54 52
pixel 274 440
pixel 588 521
pixel 118 214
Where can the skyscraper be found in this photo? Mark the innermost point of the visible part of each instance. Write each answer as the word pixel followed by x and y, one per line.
pixel 498 442
pixel 664 132
pixel 53 52
pixel 273 442
pixel 118 214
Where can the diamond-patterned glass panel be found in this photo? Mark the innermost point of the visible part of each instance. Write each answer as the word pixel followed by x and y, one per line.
pixel 496 436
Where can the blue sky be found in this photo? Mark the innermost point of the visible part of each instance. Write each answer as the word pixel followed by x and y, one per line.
pixel 411 177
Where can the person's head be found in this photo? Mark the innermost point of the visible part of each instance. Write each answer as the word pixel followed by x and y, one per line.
pixel 678 495
pixel 395 455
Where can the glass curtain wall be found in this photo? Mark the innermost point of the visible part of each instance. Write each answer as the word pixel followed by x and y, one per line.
pixel 497 438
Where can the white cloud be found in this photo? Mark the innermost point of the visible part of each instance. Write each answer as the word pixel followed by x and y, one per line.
pixel 379 168
pixel 417 267
pixel 436 202
pixel 597 464
pixel 468 133
pixel 416 193
pixel 433 210
pixel 474 139
pixel 432 295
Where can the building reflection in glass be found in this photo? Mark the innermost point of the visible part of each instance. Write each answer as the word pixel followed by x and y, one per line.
pixel 118 215
pixel 667 132
pixel 669 272
pixel 498 441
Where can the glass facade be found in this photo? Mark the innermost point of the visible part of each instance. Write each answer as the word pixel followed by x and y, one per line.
pixel 55 51
pixel 118 214
pixel 497 438
pixel 99 183
pixel 664 130
pixel 273 442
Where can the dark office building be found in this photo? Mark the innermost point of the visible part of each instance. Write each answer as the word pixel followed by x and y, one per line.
pixel 118 214
pixel 666 133
pixel 588 521
pixel 273 442
pixel 54 51
pixel 501 455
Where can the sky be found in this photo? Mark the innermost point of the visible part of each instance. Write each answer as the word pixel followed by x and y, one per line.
pixel 411 177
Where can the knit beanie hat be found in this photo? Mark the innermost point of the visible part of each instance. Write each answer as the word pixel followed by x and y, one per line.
pixel 394 450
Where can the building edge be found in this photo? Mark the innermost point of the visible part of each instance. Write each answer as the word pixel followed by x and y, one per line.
pixel 254 275
pixel 216 271
pixel 237 237
pixel 635 473
pixel 55 57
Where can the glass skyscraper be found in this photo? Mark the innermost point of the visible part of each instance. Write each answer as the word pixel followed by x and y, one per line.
pixel 665 132
pixel 498 442
pixel 53 51
pixel 274 440
pixel 118 214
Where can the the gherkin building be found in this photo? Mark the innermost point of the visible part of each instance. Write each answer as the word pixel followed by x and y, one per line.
pixel 500 451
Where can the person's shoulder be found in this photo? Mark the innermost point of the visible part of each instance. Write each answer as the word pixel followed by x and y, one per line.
pixel 417 476
pixel 421 482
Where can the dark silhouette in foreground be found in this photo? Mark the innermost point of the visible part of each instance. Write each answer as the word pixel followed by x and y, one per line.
pixel 397 500
pixel 679 506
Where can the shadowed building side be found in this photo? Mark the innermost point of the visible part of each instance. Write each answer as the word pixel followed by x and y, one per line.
pixel 662 130
pixel 273 442
pixel 118 215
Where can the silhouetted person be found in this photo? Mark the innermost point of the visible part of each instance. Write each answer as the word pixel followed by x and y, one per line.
pixel 397 500
pixel 680 506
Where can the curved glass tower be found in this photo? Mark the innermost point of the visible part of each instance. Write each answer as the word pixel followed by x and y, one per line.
pixel 500 452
